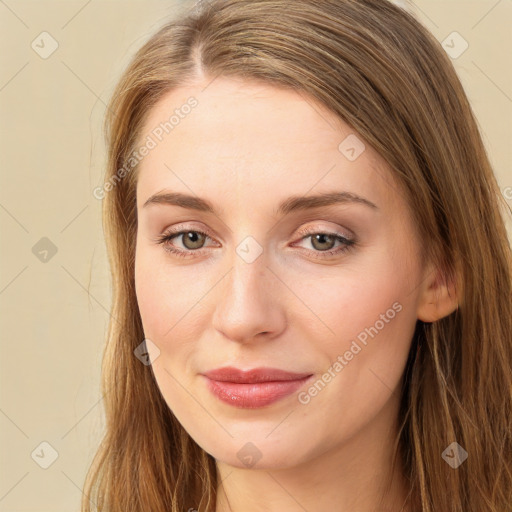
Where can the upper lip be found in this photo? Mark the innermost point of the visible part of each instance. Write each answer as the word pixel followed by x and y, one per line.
pixel 230 374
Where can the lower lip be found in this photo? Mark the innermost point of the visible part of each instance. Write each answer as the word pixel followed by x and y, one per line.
pixel 252 396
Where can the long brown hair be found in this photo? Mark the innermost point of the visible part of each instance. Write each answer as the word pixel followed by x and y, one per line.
pixel 378 69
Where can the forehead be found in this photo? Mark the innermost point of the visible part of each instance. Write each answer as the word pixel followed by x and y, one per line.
pixel 249 140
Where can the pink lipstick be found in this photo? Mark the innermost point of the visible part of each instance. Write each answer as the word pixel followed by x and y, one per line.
pixel 254 388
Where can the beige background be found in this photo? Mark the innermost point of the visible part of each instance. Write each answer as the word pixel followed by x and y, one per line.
pixel 54 314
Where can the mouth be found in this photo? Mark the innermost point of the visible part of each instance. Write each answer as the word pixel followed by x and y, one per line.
pixel 251 389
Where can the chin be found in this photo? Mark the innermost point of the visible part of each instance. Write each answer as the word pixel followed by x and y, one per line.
pixel 256 454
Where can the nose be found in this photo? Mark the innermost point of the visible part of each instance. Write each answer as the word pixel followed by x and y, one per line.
pixel 248 306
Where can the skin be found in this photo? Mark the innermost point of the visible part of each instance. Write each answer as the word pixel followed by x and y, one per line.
pixel 246 147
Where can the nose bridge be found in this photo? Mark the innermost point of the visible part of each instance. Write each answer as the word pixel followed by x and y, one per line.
pixel 246 303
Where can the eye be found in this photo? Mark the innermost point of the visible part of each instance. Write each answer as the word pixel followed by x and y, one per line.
pixel 194 240
pixel 191 239
pixel 323 242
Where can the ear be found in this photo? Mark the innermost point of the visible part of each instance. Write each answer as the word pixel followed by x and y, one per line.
pixel 438 297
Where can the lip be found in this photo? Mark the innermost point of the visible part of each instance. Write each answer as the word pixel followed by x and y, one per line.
pixel 250 389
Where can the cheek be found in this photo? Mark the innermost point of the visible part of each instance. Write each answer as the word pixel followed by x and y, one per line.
pixel 152 297
pixel 168 308
pixel 356 303
pixel 169 299
pixel 372 315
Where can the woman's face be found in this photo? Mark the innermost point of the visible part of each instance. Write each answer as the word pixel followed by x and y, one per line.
pixel 278 280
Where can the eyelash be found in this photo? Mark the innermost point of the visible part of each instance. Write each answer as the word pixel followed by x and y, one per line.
pixel 168 236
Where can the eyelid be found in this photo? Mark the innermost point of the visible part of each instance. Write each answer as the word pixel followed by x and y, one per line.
pixel 304 231
pixel 185 227
pixel 311 230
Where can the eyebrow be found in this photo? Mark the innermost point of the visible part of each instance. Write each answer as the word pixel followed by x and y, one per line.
pixel 291 204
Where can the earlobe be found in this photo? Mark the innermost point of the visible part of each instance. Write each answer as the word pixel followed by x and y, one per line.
pixel 438 297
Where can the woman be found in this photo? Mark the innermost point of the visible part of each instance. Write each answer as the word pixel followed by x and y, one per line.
pixel 311 271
